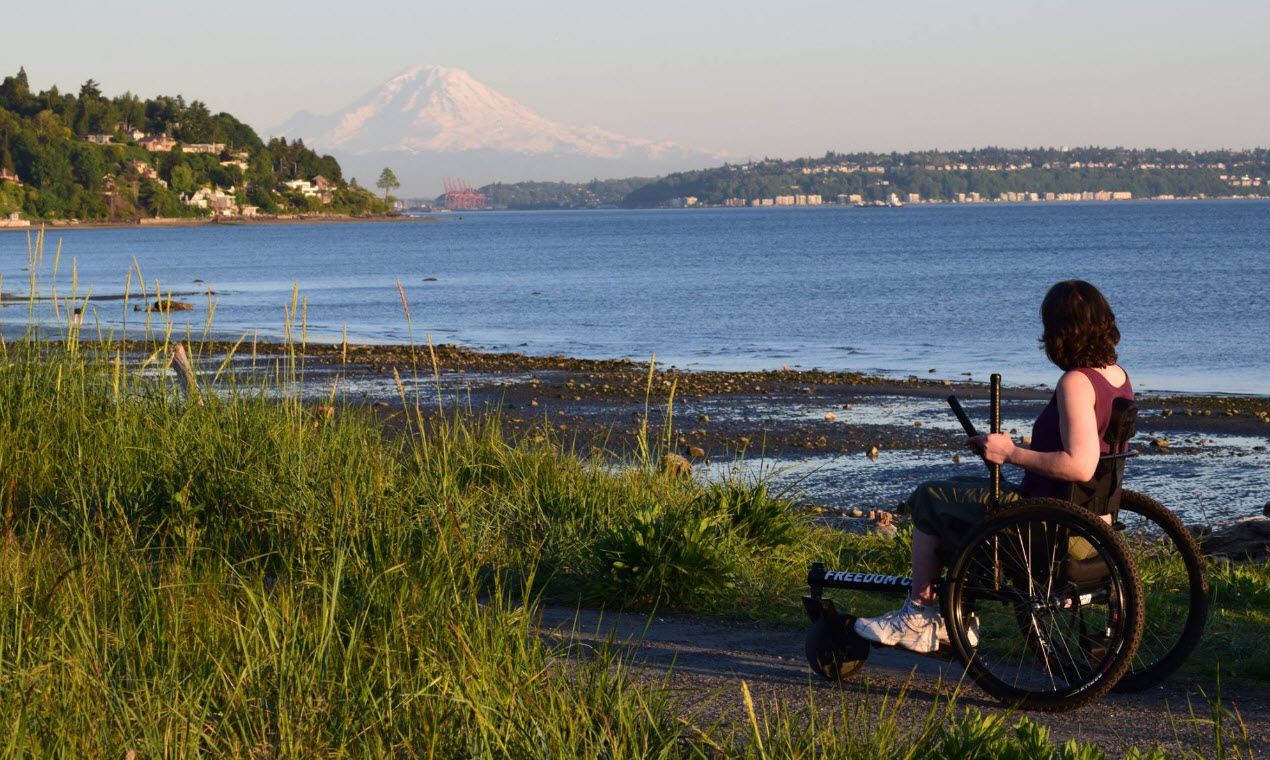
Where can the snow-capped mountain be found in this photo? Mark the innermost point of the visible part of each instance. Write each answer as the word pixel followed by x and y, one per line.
pixel 434 118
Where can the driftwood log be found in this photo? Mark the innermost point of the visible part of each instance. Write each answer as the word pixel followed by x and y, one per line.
pixel 181 360
pixel 1249 537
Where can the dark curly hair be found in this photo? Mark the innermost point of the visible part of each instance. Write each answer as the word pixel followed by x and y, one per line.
pixel 1080 328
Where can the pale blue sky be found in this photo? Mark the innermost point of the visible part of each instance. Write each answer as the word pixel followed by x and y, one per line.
pixel 749 78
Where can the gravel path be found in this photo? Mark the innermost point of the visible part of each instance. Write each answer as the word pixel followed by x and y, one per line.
pixel 708 659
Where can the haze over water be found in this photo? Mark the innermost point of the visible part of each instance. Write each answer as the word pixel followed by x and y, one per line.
pixel 896 291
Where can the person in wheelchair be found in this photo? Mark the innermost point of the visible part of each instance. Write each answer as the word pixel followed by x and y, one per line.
pixel 1080 337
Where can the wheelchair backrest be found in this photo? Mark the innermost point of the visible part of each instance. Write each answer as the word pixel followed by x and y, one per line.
pixel 1101 493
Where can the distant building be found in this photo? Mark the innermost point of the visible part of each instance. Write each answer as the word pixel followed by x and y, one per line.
pixel 99 139
pixel 144 169
pixel 220 202
pixel 325 188
pixel 784 200
pixel 129 131
pixel 9 176
pixel 914 197
pixel 157 144
pixel 203 147
pixel 302 186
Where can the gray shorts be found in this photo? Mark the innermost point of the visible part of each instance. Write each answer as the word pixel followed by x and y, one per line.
pixel 949 509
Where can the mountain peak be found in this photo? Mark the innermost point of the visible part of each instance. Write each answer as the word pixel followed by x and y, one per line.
pixel 430 109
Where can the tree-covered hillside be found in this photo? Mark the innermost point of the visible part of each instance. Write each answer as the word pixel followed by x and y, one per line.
pixel 553 195
pixel 990 172
pixel 92 157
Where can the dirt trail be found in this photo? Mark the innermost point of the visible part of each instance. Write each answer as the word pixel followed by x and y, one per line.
pixel 707 660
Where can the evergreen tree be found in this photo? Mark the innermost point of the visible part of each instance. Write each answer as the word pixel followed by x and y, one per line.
pixel 387 182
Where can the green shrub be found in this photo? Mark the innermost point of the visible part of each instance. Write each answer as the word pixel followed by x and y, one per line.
pixel 662 556
pixel 762 520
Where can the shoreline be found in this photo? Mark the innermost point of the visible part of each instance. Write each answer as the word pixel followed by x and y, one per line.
pixel 566 380
pixel 454 357
pixel 220 221
pixel 857 439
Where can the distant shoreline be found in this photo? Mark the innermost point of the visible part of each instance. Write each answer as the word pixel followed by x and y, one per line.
pixel 260 221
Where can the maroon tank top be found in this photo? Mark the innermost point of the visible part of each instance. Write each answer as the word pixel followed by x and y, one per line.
pixel 1047 436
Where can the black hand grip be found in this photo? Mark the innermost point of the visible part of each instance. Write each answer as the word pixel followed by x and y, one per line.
pixel 995 383
pixel 966 424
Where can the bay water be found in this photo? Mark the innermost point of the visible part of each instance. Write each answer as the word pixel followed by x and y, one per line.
pixel 892 291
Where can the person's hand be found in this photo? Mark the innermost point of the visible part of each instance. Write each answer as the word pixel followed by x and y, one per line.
pixel 996 448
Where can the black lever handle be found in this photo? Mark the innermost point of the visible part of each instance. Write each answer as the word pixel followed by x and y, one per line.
pixel 962 417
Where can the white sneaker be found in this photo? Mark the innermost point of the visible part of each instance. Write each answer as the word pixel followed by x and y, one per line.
pixel 972 630
pixel 917 629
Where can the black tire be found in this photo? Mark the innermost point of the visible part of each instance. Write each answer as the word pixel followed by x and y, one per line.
pixel 834 649
pixel 1044 606
pixel 1175 588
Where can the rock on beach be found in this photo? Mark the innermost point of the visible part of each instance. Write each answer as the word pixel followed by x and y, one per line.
pixel 166 305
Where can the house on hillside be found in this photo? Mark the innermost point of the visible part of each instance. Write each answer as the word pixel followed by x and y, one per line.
pixel 301 186
pixel 99 139
pixel 203 147
pixel 129 131
pixel 325 188
pixel 319 188
pixel 144 169
pixel 157 143
pixel 8 176
pixel 220 202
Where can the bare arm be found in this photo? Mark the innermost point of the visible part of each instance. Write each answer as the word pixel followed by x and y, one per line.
pixel 1078 459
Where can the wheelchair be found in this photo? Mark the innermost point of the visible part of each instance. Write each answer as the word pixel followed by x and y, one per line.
pixel 1045 600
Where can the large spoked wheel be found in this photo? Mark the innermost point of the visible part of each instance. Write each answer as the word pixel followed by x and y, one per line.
pixel 1044 606
pixel 834 649
pixel 1174 585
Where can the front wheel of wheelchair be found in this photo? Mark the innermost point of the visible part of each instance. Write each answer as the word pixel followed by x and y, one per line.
pixel 1174 584
pixel 1044 606
pixel 834 649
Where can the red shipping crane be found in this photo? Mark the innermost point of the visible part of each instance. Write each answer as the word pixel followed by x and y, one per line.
pixel 460 195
